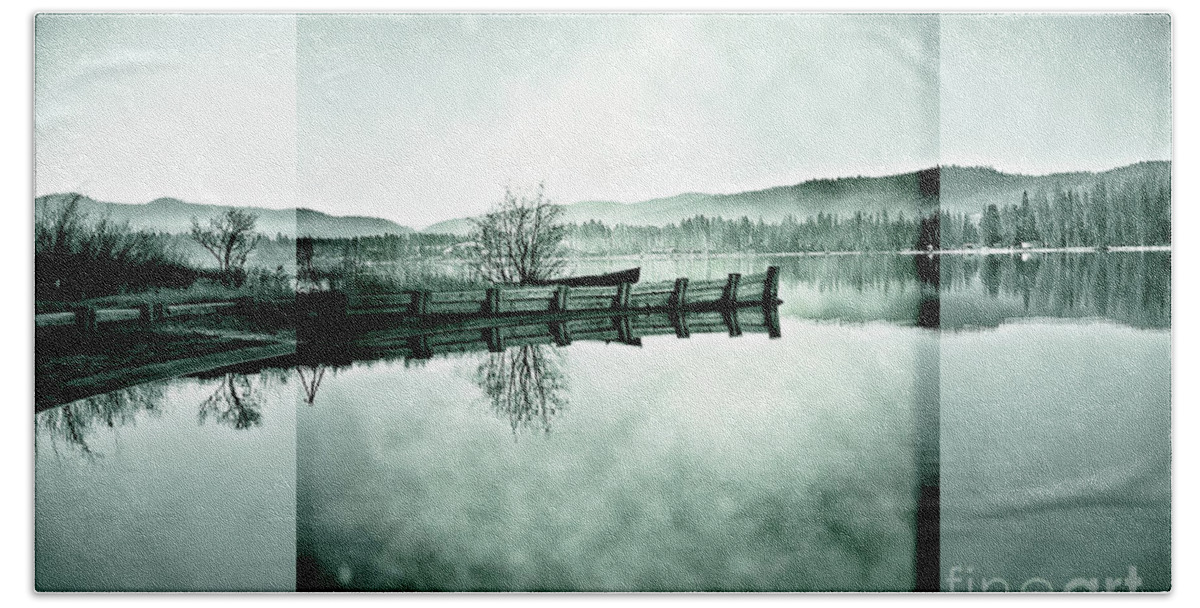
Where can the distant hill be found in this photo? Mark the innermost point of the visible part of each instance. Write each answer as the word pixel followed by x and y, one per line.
pixel 458 226
pixel 963 190
pixel 899 193
pixel 175 216
pixel 894 194
pixel 314 223
pixel 970 189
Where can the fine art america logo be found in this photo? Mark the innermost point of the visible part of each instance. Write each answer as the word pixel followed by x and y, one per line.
pixel 964 579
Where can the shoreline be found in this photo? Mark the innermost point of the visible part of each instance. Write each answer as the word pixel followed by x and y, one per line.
pixel 982 251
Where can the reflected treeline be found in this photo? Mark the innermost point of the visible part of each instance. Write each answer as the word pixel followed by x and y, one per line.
pixel 239 393
pixel 525 384
pixel 1131 288
pixel 521 357
pixel 74 424
pixel 236 401
pixel 310 379
pixel 849 272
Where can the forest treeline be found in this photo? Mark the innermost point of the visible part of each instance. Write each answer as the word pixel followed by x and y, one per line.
pixel 1131 213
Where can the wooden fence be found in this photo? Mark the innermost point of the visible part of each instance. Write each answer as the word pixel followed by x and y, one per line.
pixel 427 307
pixel 434 308
pixel 89 318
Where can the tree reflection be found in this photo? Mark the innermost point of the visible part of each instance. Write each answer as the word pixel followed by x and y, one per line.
pixel 74 423
pixel 526 385
pixel 1132 288
pixel 311 381
pixel 234 403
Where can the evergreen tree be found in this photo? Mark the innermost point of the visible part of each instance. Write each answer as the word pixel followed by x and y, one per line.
pixel 989 227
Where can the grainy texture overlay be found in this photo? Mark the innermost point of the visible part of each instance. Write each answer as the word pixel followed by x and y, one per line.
pixel 588 302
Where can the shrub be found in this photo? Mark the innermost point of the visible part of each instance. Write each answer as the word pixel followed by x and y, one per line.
pixel 76 257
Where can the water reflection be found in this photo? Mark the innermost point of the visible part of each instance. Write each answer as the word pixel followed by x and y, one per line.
pixel 75 423
pixel 520 373
pixel 706 463
pixel 234 403
pixel 134 494
pixel 812 462
pixel 312 381
pixel 521 376
pixel 977 291
pixel 526 385
pixel 1131 288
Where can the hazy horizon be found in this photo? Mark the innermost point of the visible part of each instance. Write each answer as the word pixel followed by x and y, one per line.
pixel 424 118
pixel 420 227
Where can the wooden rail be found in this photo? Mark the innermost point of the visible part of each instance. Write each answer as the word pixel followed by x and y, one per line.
pixel 89 318
pixel 436 308
pixel 332 324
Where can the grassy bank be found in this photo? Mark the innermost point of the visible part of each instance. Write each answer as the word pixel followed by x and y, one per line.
pixel 390 277
pixel 69 364
pixel 203 290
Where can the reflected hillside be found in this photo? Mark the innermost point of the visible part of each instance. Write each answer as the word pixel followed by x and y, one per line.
pixel 1131 288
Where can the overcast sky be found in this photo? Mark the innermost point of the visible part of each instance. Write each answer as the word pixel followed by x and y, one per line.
pixel 1047 93
pixel 128 108
pixel 425 118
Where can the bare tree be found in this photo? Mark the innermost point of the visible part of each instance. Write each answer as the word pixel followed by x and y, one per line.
pixel 229 237
pixel 520 241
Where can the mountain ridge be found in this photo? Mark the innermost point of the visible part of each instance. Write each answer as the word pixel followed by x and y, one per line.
pixel 963 189
pixel 172 215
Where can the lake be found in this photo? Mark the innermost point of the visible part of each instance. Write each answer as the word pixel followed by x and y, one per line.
pixel 966 422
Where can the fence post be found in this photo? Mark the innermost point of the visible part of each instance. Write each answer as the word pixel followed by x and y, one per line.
pixel 491 304
pixel 624 332
pixel 679 295
pixel 85 319
pixel 729 315
pixel 622 298
pixel 495 342
pixel 559 332
pixel 419 347
pixel 729 297
pixel 679 321
pixel 146 313
pixel 771 320
pixel 558 302
pixel 771 287
pixel 419 304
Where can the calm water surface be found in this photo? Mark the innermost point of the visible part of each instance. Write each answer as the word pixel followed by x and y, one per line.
pixel 1040 409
